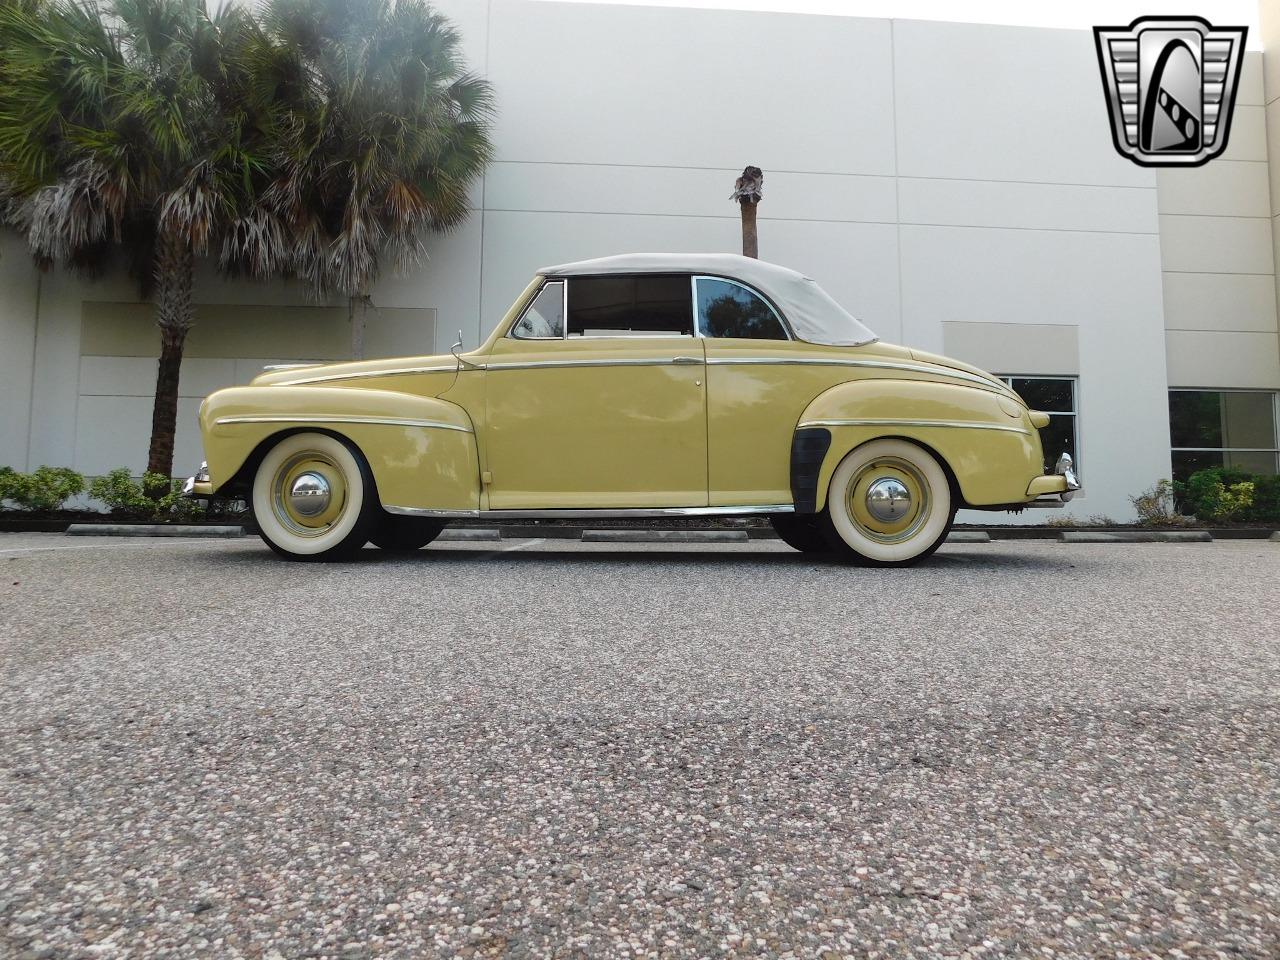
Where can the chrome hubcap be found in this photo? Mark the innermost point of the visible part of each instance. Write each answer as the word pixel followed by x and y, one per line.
pixel 888 499
pixel 309 494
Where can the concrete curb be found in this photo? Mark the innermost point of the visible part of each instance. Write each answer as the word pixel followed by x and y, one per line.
pixel 968 536
pixel 469 533
pixel 664 536
pixel 154 530
pixel 1138 536
pixel 1275 537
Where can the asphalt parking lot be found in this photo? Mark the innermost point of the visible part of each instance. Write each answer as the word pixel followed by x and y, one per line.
pixel 532 748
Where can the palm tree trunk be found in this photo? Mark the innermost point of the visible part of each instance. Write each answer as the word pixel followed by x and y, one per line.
pixel 356 319
pixel 174 316
pixel 750 240
pixel 358 315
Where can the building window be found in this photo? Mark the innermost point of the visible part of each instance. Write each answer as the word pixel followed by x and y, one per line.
pixel 1055 396
pixel 1223 428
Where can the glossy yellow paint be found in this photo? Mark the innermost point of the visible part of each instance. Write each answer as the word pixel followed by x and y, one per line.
pixel 421 450
pixel 992 455
pixel 1048 484
pixel 617 423
pixel 596 423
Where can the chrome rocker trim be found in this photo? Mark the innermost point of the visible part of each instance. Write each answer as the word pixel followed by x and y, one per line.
pixel 895 422
pixel 381 421
pixel 595 514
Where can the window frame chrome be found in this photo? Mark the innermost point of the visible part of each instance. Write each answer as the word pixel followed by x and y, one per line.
pixel 564 312
pixel 695 321
pixel 773 307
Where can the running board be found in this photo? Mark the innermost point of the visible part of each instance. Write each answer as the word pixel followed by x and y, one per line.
pixel 614 513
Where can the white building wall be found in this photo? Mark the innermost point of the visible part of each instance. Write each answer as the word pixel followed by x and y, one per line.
pixel 948 183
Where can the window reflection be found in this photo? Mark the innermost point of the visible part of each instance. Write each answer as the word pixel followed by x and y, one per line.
pixel 544 318
pixel 728 309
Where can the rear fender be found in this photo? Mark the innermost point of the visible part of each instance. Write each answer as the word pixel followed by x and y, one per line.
pixel 986 442
pixel 422 450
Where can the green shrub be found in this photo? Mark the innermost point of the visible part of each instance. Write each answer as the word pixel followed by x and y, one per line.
pixel 1221 493
pixel 128 497
pixel 44 490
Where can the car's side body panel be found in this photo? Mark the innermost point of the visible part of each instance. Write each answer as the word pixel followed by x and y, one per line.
pixel 761 392
pixel 987 442
pixel 421 450
pixel 595 422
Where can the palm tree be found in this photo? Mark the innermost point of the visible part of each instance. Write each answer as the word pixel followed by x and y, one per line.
pixel 748 191
pixel 386 131
pixel 131 128
pixel 309 141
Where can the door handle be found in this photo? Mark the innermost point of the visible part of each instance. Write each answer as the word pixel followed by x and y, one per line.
pixel 685 360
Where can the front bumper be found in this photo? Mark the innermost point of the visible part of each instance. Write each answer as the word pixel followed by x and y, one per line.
pixel 1055 489
pixel 198 487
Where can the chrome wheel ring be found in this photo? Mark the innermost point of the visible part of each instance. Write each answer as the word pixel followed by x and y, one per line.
pixel 308 493
pixel 889 500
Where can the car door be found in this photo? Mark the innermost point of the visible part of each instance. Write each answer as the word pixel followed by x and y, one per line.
pixel 596 398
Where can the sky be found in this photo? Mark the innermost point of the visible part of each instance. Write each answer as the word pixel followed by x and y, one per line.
pixel 1073 14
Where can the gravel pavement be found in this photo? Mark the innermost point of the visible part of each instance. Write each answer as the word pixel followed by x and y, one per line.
pixel 542 749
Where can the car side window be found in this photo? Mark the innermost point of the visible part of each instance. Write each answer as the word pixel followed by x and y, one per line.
pixel 630 306
pixel 728 309
pixel 543 319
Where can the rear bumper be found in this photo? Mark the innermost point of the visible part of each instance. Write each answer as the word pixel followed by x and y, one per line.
pixel 198 486
pixel 1055 488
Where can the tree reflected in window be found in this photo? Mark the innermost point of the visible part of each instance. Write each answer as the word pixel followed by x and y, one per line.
pixel 727 309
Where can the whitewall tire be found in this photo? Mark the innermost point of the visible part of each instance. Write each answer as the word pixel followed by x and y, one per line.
pixel 314 498
pixel 889 504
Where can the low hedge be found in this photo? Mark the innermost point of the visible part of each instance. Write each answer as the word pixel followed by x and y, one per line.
pixel 46 490
pixel 1225 494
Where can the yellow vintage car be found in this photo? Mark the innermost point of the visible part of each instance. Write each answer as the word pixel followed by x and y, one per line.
pixel 646 385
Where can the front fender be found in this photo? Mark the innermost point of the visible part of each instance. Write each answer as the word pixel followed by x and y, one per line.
pixel 986 441
pixel 422 450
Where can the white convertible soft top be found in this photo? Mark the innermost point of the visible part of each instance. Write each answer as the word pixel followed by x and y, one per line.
pixel 813 315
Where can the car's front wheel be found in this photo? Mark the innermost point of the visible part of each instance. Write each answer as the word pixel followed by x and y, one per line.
pixel 889 504
pixel 405 534
pixel 314 498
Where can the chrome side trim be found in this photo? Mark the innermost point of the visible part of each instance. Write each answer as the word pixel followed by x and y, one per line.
pixel 628 362
pixel 437 514
pixel 394 372
pixel 597 514
pixel 896 422
pixel 382 421
pixel 871 364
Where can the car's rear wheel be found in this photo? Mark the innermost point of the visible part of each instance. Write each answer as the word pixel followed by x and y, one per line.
pixel 405 534
pixel 803 533
pixel 314 498
pixel 889 504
